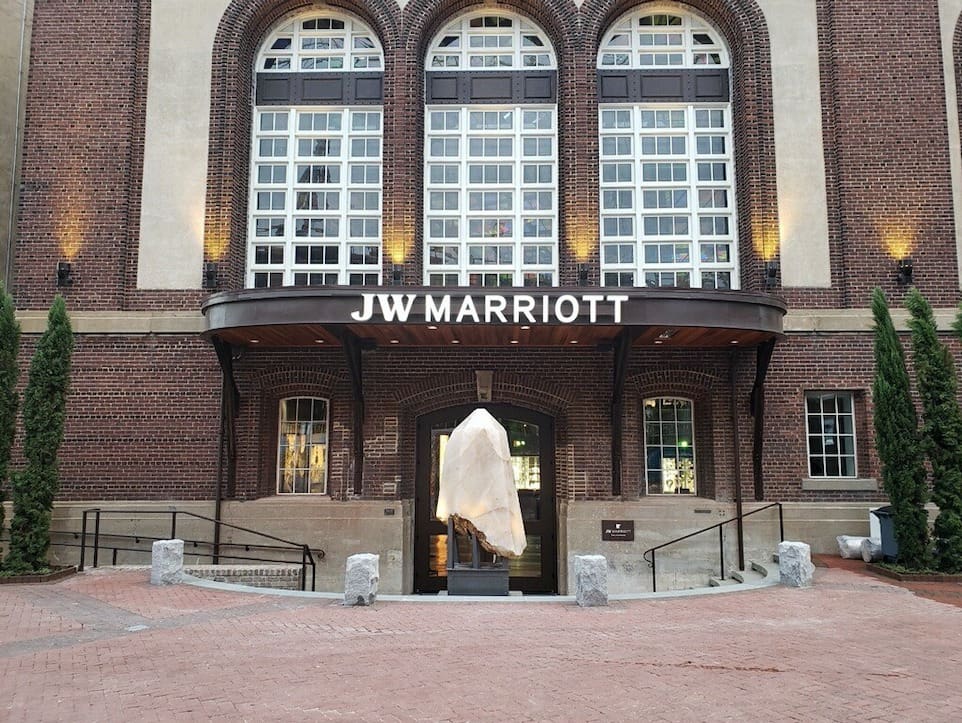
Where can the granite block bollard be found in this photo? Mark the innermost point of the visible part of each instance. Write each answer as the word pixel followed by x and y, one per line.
pixel 795 568
pixel 167 562
pixel 361 578
pixel 591 580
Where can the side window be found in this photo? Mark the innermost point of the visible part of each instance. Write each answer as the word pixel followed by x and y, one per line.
pixel 669 446
pixel 302 446
pixel 830 427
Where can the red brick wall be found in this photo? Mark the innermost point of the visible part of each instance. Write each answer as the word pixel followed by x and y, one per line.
pixel 143 417
pixel 886 148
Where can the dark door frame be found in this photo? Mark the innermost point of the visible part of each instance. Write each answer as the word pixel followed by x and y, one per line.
pixel 547 526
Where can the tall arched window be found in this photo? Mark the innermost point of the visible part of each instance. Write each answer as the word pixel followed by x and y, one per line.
pixel 315 203
pixel 491 168
pixel 667 176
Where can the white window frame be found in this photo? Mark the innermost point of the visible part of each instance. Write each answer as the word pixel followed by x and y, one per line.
pixel 273 260
pixel 824 434
pixel 629 152
pixel 661 446
pixel 453 266
pixel 280 468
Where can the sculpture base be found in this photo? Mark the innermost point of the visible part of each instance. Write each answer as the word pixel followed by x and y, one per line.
pixel 487 580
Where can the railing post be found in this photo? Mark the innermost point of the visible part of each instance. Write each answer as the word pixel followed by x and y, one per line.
pixel 654 582
pixel 113 560
pixel 96 536
pixel 304 568
pixel 173 524
pixel 83 540
pixel 781 524
pixel 721 550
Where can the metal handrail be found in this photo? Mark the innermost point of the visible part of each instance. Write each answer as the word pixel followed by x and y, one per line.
pixel 307 556
pixel 721 540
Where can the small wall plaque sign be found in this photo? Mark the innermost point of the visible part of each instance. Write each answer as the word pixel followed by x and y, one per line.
pixel 618 530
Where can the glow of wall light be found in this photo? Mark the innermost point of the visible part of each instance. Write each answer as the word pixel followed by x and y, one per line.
pixel 397 244
pixel 216 241
pixel 71 223
pixel 582 239
pixel 767 235
pixel 897 236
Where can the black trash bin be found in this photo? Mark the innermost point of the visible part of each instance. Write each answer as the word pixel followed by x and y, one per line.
pixel 890 546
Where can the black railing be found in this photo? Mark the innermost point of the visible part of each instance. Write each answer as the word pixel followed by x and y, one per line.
pixel 721 540
pixel 114 542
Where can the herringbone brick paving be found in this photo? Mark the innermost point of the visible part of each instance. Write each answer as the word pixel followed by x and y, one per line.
pixel 106 646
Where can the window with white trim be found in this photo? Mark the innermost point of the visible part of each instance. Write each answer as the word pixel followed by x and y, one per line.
pixel 830 424
pixel 302 446
pixel 315 203
pixel 669 446
pixel 491 171
pixel 667 206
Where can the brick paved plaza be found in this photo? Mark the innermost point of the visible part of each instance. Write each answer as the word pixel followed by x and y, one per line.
pixel 106 645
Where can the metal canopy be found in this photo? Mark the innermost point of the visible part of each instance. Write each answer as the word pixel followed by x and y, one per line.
pixel 586 316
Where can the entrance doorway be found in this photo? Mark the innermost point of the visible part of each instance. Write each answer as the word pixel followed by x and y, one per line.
pixel 531 441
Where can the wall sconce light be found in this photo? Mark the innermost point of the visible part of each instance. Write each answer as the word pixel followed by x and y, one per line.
pixel 64 274
pixel 397 275
pixel 210 275
pixel 905 268
pixel 771 274
pixel 582 274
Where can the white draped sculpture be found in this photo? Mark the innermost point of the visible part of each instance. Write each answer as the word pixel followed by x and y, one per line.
pixel 477 486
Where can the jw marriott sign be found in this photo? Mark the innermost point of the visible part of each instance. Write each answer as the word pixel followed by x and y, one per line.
pixel 491 308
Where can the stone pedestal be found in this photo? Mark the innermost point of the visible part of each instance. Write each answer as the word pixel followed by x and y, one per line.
pixel 795 568
pixel 591 580
pixel 360 579
pixel 167 562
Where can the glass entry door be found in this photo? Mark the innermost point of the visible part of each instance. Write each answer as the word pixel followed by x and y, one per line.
pixel 531 441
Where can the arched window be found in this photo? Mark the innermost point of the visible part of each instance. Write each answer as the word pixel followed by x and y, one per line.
pixel 302 446
pixel 669 446
pixel 315 205
pixel 491 168
pixel 667 174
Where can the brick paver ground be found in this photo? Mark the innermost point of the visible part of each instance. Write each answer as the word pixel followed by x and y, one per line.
pixel 106 646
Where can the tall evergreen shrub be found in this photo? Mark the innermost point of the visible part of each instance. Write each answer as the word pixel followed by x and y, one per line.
pixel 9 373
pixel 941 431
pixel 898 442
pixel 44 411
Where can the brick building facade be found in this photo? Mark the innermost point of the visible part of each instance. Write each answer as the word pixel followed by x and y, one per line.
pixel 767 162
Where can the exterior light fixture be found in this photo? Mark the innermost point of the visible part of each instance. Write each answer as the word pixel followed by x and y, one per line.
pixel 771 274
pixel 64 274
pixel 210 275
pixel 905 268
pixel 397 275
pixel 582 274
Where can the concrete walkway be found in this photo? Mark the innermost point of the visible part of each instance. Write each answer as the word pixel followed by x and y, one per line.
pixel 105 646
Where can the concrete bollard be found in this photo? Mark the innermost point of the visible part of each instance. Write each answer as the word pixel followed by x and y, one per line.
pixel 591 580
pixel 361 578
pixel 167 562
pixel 795 566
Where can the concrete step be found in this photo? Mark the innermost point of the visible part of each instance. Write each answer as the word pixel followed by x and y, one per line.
pixel 748 576
pixel 719 582
pixel 766 569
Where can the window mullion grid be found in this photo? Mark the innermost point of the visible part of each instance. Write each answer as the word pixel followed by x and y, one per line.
pixel 517 192
pixel 343 257
pixel 694 227
pixel 290 205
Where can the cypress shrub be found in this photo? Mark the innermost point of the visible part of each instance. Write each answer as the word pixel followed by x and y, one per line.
pixel 9 373
pixel 941 431
pixel 44 411
pixel 898 441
